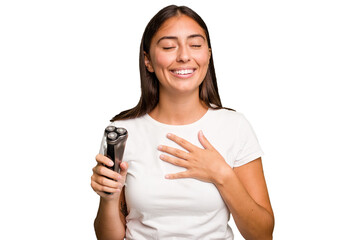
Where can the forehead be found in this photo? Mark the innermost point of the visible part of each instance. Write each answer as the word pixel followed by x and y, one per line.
pixel 179 26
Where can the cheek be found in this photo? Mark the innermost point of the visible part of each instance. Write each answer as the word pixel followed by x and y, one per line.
pixel 162 60
pixel 202 58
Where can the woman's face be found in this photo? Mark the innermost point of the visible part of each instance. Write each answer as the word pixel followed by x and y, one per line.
pixel 179 55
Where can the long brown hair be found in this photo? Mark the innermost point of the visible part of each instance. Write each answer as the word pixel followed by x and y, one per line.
pixel 149 83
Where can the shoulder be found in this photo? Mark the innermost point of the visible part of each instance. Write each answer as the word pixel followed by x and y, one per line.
pixel 227 115
pixel 228 119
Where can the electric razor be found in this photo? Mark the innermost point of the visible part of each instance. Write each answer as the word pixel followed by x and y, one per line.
pixel 115 145
pixel 115 138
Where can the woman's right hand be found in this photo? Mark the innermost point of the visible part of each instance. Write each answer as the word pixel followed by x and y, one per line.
pixel 106 180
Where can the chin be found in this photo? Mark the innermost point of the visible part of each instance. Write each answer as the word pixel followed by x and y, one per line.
pixel 186 90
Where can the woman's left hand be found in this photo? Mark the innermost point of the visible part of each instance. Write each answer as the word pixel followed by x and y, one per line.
pixel 203 164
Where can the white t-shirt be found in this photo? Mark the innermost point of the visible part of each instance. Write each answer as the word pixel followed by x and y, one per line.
pixel 183 208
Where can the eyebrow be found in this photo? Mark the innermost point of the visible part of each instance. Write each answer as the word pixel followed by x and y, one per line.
pixel 175 38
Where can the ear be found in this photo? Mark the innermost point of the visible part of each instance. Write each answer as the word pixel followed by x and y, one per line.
pixel 148 62
pixel 209 54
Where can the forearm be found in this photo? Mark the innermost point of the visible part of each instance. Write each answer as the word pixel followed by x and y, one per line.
pixel 252 220
pixel 108 224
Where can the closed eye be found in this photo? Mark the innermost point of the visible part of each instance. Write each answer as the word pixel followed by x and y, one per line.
pixel 196 46
pixel 168 48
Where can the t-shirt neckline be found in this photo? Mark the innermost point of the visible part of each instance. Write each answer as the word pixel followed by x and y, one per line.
pixel 156 122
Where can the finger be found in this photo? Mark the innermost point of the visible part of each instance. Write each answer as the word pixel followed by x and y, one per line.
pixel 182 142
pixel 104 160
pixel 173 151
pixel 106 182
pixel 100 188
pixel 203 140
pixel 178 175
pixel 173 160
pixel 106 172
pixel 123 168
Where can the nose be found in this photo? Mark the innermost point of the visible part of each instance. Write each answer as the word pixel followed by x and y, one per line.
pixel 183 54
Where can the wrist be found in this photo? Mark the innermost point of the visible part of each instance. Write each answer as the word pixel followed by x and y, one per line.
pixel 111 200
pixel 225 172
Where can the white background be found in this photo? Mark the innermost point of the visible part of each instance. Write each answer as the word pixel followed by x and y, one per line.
pixel 67 67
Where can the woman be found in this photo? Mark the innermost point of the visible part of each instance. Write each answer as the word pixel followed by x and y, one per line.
pixel 174 182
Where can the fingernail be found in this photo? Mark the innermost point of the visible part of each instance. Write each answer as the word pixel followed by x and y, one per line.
pixel 201 133
pixel 111 163
pixel 159 147
pixel 167 176
pixel 169 135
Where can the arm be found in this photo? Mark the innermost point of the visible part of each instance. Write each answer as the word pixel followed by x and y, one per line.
pixel 245 193
pixel 110 220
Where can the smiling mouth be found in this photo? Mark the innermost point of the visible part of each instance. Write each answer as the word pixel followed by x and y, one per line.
pixel 183 71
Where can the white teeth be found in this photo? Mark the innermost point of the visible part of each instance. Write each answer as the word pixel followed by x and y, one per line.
pixel 183 71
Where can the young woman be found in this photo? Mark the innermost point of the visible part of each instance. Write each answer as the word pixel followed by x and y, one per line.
pixel 188 161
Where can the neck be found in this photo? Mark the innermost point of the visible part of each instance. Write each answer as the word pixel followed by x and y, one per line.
pixel 179 110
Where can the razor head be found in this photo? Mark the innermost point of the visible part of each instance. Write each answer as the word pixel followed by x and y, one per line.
pixel 114 134
pixel 121 131
pixel 109 129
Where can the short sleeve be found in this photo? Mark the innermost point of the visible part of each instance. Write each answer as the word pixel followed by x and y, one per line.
pixel 249 147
